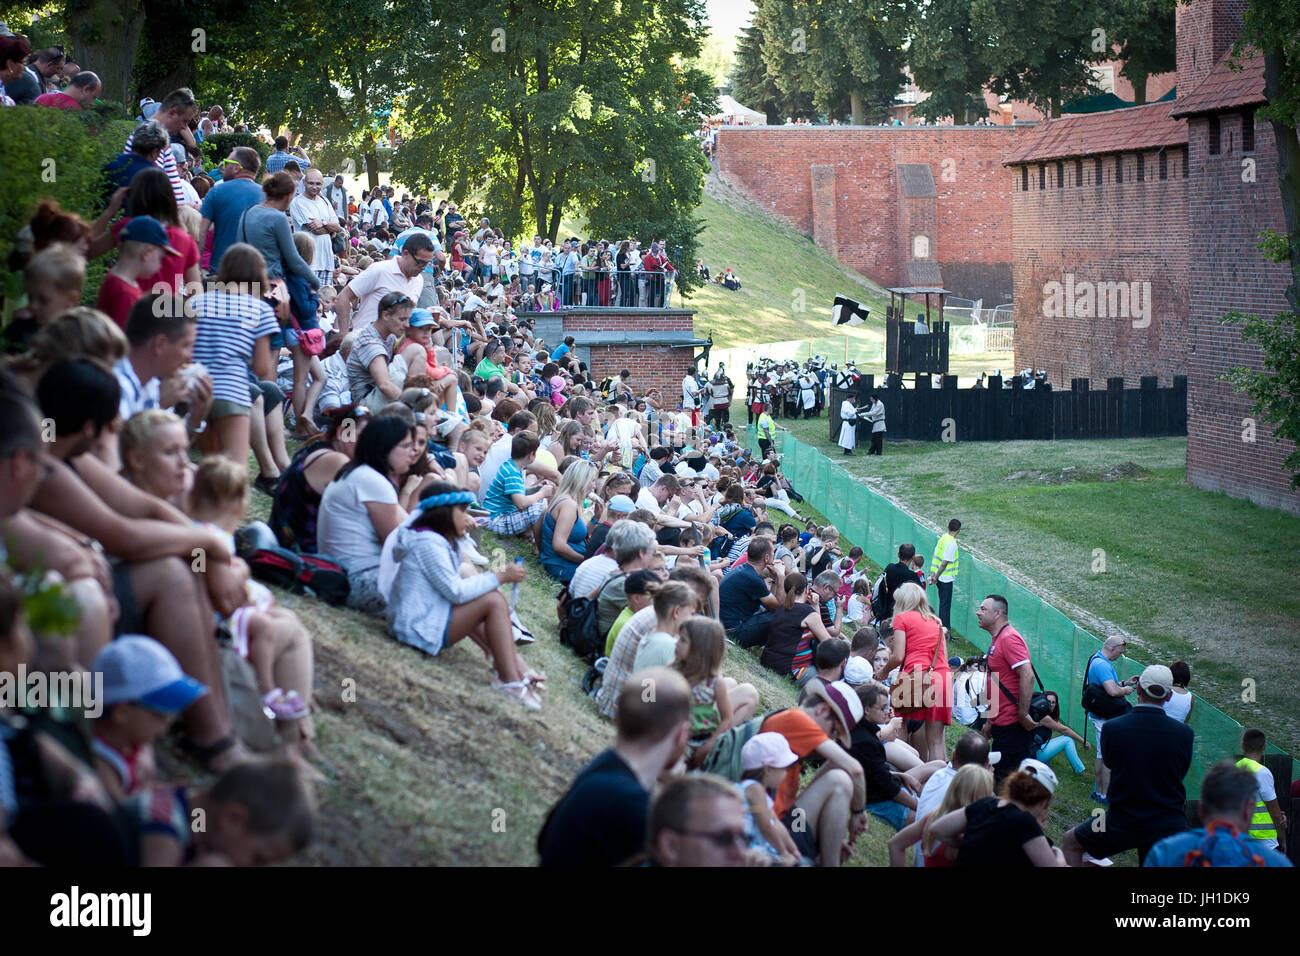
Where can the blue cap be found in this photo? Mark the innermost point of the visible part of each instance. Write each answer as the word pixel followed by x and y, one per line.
pixel 148 230
pixel 137 668
pixel 421 318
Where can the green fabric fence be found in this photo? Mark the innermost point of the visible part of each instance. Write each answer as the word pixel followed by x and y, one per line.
pixel 1060 648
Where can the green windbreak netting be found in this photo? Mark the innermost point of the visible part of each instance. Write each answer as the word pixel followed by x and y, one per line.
pixel 1059 647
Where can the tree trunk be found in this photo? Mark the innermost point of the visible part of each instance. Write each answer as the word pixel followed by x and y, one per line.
pixel 855 106
pixel 372 166
pixel 105 36
pixel 1139 88
pixel 1288 171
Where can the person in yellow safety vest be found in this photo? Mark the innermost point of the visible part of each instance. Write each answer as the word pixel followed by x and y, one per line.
pixel 943 570
pixel 766 430
pixel 1268 821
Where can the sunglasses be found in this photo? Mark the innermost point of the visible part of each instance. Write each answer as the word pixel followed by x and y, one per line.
pixel 722 839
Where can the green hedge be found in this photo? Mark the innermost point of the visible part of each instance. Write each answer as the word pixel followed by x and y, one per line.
pixel 53 153
pixel 218 146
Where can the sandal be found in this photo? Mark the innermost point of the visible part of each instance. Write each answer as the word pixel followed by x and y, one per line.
pixel 520 690
pixel 279 705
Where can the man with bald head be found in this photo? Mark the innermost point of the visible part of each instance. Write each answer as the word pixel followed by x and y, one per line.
pixel 601 821
pixel 1101 671
pixel 312 213
pixel 81 92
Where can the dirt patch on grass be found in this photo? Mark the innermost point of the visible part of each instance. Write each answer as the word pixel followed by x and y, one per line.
pixel 1125 471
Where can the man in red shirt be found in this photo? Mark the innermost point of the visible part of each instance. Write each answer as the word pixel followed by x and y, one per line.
pixel 81 92
pixel 1010 669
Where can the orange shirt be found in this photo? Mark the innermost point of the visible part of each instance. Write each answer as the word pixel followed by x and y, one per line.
pixel 804 736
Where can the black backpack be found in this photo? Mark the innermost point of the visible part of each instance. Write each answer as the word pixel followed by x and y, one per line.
pixel 298 573
pixel 1097 702
pixel 580 627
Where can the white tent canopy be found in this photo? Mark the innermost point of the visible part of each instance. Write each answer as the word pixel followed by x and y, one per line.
pixel 728 108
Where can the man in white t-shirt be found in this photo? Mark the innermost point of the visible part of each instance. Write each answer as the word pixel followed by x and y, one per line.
pixel 401 274
pixel 312 213
pixel 654 498
pixel 972 748
pixel 691 396
pixel 378 214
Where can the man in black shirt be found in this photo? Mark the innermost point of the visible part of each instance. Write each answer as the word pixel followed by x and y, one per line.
pixel 1149 754
pixel 898 574
pixel 601 821
pixel 891 796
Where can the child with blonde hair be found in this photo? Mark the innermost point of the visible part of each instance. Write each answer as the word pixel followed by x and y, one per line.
pixel 674 603
pixel 270 637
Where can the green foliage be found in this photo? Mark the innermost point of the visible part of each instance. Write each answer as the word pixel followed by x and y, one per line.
pixel 1040 51
pixel 217 147
pixel 1274 28
pixel 538 112
pixel 753 86
pixel 50 611
pixel 52 153
pixel 1148 44
pixel 837 51
pixel 949 59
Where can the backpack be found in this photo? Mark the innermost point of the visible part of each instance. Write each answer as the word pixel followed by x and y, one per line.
pixel 580 622
pixel 606 386
pixel 878 599
pixel 314 574
pixel 1099 703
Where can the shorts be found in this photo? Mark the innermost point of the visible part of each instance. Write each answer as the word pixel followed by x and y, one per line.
pixel 224 408
pixel 804 839
pixel 517 522
pixel 891 811
pixel 1097 724
pixel 363 591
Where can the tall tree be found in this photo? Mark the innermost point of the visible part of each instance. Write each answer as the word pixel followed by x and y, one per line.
pixel 1273 31
pixel 330 70
pixel 540 109
pixel 105 35
pixel 752 84
pixel 1144 31
pixel 835 49
pixel 1042 48
pixel 949 59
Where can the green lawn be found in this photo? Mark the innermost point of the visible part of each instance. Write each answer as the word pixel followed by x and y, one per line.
pixel 1188 574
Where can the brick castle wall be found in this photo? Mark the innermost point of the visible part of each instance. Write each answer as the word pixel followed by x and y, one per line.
pixel 1069 230
pixel 840 186
pixel 1227 273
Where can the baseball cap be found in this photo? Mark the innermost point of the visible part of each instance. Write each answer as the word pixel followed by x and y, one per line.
pixel 622 504
pixel 766 750
pixel 1157 681
pixel 845 705
pixel 421 318
pixel 857 670
pixel 1039 771
pixel 148 230
pixel 137 668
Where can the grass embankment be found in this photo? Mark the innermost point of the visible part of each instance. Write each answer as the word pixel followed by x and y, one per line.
pixel 1188 574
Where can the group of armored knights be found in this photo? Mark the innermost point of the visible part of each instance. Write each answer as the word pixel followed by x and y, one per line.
pixel 795 390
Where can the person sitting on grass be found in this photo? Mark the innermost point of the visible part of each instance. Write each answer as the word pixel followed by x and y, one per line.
pixel 1049 746
pixel 794 627
pixel 968 784
pixel 766 758
pixel 473 450
pixel 255 814
pixel 512 510
pixel 144 688
pixel 1005 831
pixel 892 795
pixel 601 820
pixel 562 532
pixel 296 505
pixel 701 645
pixel 360 508
pixel 674 603
pixel 432 606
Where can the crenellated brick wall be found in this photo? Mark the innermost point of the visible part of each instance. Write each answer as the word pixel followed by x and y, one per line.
pixel 841 186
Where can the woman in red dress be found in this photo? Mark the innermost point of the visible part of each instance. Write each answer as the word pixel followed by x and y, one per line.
pixel 918 644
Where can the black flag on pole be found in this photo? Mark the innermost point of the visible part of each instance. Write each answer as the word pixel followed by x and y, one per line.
pixel 847 312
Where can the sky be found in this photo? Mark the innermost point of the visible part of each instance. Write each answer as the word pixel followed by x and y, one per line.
pixel 728 16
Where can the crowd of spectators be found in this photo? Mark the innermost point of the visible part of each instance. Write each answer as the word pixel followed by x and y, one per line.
pixel 425 413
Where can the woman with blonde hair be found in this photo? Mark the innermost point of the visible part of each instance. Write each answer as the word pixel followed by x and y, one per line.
pixel 923 690
pixel 562 534
pixel 155 455
pixel 968 784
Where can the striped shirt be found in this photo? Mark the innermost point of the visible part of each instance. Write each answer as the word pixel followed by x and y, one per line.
pixel 508 481
pixel 229 325
pixel 369 345
pixel 166 161
pixel 137 396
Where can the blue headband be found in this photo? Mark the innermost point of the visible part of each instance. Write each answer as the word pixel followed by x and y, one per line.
pixel 450 498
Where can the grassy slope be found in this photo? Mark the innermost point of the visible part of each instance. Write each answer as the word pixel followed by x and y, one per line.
pixel 1189 574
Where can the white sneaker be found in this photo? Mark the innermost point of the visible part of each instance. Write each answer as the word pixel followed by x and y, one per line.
pixel 469 549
